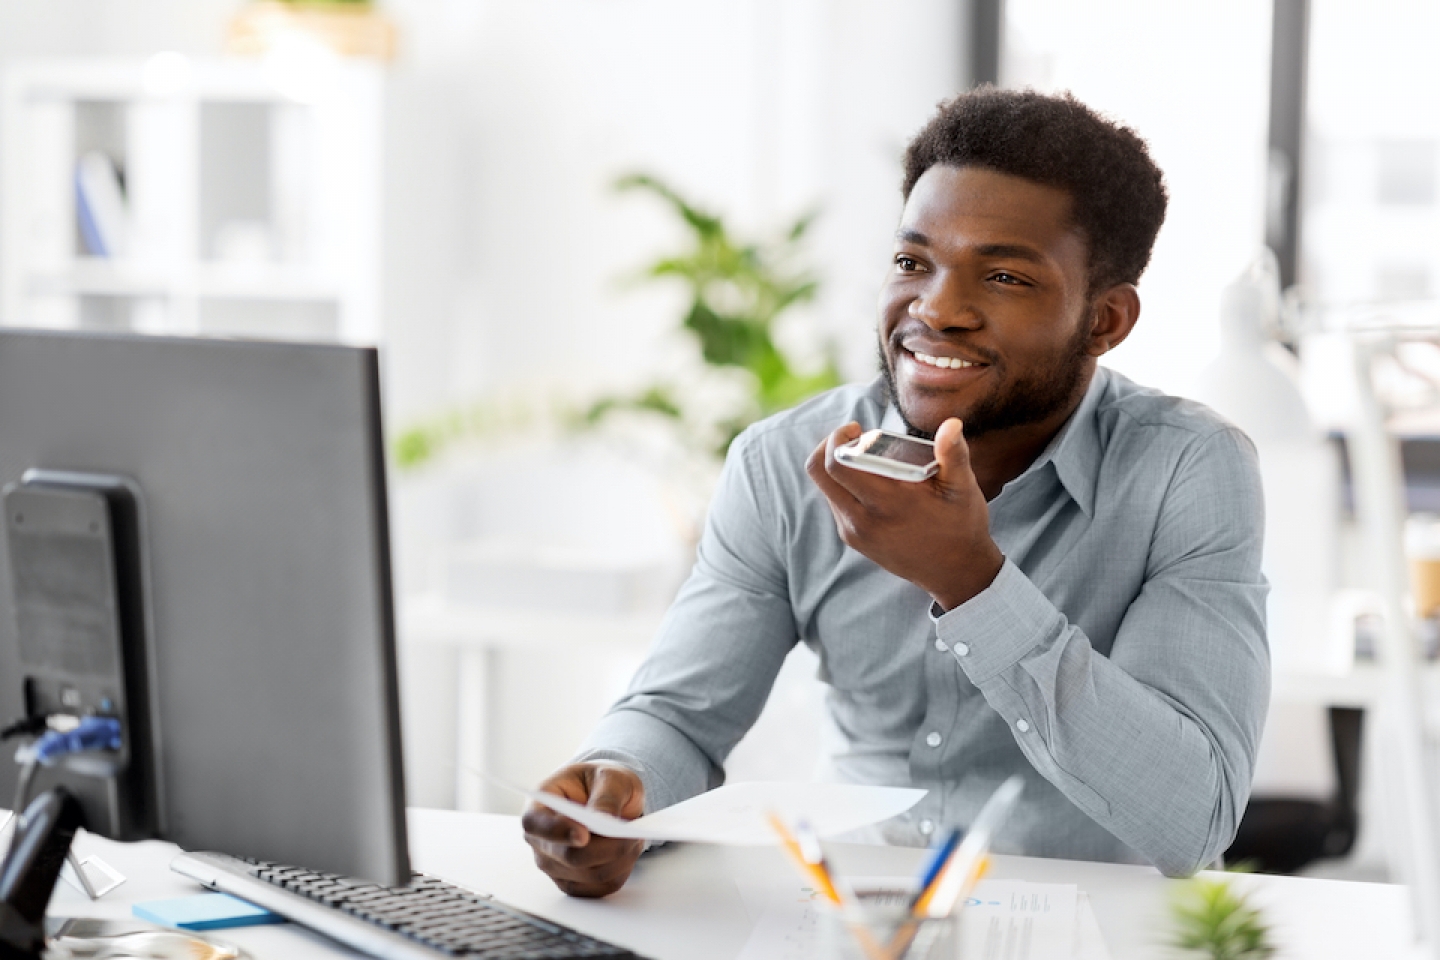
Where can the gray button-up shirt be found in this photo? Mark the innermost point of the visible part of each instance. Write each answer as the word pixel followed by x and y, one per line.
pixel 1118 661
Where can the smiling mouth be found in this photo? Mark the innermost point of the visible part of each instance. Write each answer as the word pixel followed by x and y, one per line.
pixel 944 363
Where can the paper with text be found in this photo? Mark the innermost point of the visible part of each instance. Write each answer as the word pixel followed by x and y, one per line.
pixel 735 814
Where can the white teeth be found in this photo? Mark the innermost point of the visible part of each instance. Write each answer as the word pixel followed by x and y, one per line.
pixel 951 363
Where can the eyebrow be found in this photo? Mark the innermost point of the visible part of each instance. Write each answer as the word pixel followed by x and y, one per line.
pixel 1008 251
pixel 1011 251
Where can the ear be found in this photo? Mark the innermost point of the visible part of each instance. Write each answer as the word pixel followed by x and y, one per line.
pixel 1113 316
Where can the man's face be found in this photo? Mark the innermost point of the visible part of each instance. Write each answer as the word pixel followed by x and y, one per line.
pixel 984 314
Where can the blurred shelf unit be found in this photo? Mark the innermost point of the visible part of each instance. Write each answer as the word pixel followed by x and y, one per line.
pixel 170 195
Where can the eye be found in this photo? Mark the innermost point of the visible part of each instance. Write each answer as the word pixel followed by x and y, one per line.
pixel 1009 279
pixel 906 264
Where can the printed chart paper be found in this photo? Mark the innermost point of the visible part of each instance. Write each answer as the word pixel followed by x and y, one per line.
pixel 735 814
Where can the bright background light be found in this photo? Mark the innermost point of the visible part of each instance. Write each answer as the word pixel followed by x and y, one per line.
pixel 1193 81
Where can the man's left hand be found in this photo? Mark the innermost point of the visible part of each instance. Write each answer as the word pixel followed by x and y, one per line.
pixel 935 533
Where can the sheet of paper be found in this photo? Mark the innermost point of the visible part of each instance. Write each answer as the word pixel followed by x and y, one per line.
pixel 1089 943
pixel 735 814
pixel 1004 920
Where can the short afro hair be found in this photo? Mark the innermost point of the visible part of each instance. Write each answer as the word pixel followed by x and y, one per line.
pixel 1118 192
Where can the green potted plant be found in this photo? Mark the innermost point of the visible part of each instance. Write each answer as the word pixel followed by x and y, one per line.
pixel 1215 922
pixel 738 291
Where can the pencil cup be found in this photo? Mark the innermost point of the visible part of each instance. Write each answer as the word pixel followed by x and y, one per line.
pixel 881 931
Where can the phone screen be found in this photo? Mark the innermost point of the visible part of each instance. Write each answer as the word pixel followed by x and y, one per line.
pixel 903 449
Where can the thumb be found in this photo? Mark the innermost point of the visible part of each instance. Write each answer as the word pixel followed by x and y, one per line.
pixel 618 793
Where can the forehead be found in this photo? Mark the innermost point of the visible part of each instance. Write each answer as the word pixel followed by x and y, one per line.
pixel 968 205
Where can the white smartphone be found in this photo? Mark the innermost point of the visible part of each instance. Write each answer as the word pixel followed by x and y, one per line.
pixel 890 455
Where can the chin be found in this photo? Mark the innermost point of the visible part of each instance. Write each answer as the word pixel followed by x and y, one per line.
pixel 924 418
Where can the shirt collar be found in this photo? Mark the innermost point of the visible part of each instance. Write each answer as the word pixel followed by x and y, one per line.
pixel 1074 450
pixel 892 421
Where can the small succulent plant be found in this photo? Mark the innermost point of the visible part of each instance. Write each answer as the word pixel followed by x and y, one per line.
pixel 1214 922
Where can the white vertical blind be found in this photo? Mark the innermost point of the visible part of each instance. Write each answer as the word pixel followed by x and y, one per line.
pixel 1370 229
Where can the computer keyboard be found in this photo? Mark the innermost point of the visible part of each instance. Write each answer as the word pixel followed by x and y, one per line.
pixel 427 919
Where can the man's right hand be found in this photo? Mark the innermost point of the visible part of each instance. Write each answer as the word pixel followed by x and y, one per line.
pixel 581 863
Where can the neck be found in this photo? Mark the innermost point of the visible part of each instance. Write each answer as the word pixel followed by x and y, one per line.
pixel 1000 456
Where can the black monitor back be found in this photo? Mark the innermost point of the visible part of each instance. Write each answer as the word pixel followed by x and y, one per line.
pixel 260 469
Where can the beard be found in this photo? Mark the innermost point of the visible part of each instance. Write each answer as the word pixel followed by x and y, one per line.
pixel 1029 399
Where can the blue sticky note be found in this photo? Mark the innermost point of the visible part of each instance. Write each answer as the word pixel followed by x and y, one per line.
pixel 205 911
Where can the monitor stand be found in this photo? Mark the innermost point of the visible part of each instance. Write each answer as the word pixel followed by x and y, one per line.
pixel 38 849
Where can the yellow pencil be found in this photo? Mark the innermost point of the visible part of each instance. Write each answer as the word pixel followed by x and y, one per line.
pixel 821 875
pixel 815 871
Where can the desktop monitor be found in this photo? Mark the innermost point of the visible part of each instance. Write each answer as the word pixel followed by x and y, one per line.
pixel 266 700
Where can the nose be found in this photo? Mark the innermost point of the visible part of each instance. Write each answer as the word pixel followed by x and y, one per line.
pixel 945 303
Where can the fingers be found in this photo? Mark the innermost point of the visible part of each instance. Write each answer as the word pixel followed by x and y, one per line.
pixel 597 869
pixel 583 864
pixel 595 881
pixel 592 861
pixel 545 824
pixel 850 431
pixel 830 475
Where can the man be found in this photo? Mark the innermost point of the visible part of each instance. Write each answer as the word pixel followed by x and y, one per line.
pixel 1076 595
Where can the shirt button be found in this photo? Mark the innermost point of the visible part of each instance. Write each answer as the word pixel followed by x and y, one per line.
pixel 1022 725
pixel 934 738
pixel 940 645
pixel 927 827
pixel 962 648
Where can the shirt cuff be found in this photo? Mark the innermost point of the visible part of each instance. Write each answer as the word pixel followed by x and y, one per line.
pixel 664 758
pixel 992 631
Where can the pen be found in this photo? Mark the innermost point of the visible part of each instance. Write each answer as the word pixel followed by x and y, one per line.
pixel 959 875
pixel 939 856
pixel 966 884
pixel 905 935
pixel 962 872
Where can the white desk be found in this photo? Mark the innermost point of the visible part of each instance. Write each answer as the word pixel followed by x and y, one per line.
pixel 682 903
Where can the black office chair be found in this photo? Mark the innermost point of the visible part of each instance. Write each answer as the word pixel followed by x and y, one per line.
pixel 1283 835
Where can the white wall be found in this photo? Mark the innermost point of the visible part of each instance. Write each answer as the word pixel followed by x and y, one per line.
pixel 111 27
pixel 515 118
pixel 1193 80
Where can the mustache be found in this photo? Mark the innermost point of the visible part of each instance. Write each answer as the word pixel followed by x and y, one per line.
pixel 899 335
